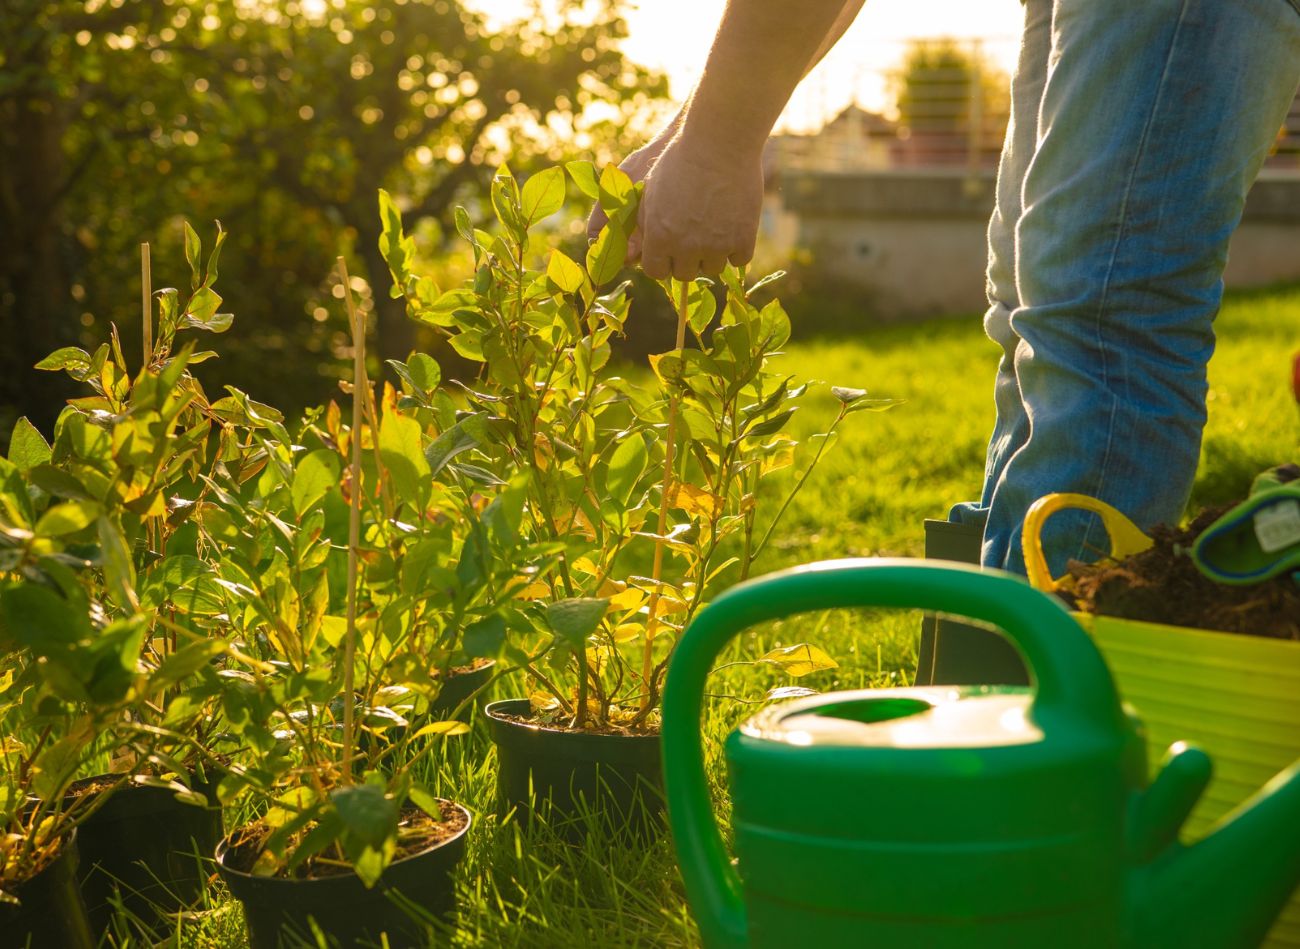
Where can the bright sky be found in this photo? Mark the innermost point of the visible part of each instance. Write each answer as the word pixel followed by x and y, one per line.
pixel 674 36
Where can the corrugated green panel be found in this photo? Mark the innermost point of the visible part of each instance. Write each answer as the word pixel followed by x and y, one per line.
pixel 1238 697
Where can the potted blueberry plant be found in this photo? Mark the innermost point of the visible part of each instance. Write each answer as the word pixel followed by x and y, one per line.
pixel 647 494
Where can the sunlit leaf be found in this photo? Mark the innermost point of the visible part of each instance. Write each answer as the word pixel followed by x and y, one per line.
pixel 799 660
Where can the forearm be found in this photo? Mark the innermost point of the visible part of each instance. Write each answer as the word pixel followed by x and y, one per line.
pixel 762 50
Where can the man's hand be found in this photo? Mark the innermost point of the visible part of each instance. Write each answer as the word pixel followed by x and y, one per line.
pixel 700 209
pixel 636 166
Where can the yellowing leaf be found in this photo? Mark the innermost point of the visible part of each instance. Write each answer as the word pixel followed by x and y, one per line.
pixel 695 501
pixel 627 632
pixel 585 565
pixel 799 660
pixel 537 590
pixel 445 729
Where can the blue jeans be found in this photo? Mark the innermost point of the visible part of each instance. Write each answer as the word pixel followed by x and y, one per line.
pixel 1137 128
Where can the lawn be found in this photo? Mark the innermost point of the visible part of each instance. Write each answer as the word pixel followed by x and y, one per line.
pixel 888 472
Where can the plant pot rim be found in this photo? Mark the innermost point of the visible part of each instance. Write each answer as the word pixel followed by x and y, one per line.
pixel 341 880
pixel 67 851
pixel 520 706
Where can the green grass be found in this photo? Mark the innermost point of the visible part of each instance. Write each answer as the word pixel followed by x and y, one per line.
pixel 887 473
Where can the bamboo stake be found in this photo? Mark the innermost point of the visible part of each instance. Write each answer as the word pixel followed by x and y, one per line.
pixel 647 660
pixel 146 301
pixel 359 387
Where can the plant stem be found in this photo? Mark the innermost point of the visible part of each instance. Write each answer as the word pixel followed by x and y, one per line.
pixel 647 659
pixel 796 489
pixel 359 386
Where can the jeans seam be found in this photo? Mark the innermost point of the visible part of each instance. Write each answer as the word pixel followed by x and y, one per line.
pixel 1121 231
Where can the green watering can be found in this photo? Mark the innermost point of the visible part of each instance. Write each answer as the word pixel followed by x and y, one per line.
pixel 957 816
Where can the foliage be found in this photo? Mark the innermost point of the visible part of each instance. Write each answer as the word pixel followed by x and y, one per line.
pixel 117 117
pixel 91 529
pixel 595 456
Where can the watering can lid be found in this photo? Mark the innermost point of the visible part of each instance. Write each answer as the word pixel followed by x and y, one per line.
pixel 935 717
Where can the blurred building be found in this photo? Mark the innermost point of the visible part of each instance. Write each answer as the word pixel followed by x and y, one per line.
pixel 893 212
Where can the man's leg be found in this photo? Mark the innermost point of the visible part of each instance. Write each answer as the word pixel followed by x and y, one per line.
pixel 1012 426
pixel 1153 123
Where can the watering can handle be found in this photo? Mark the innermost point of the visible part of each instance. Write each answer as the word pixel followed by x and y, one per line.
pixel 1126 538
pixel 1072 683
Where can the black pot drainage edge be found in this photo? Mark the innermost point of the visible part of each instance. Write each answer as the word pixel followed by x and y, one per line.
pixel 574 780
pixel 50 910
pixel 149 850
pixel 343 908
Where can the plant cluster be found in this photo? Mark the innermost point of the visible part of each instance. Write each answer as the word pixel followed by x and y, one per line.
pixel 647 492
pixel 198 588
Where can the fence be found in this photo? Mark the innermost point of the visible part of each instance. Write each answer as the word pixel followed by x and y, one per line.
pixel 929 103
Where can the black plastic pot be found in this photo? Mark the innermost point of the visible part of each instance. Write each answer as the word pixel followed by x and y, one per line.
pixel 457 687
pixel 147 849
pixel 50 911
pixel 957 653
pixel 343 908
pixel 573 778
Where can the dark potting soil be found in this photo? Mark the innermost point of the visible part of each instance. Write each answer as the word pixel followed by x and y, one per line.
pixel 1162 585
pixel 561 725
pixel 418 833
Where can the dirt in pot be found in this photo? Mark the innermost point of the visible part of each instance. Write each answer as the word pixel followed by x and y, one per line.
pixel 1162 585
pixel 552 723
pixel 417 833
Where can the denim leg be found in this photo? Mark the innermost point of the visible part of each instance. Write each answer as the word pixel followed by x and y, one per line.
pixel 1012 426
pixel 1154 119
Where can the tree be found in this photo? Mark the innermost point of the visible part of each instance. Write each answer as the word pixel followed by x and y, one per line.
pixel 283 121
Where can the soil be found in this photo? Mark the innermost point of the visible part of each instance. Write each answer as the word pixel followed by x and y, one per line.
pixel 419 832
pixel 623 731
pixel 1162 585
pixel 454 671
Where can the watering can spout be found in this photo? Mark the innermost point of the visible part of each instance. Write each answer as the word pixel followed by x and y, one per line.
pixel 1225 890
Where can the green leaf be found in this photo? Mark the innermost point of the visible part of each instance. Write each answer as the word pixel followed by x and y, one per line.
pixel 444 729
pixel 425 800
pixel 606 256
pixel 55 767
pixel 119 571
pixel 574 620
pixel 312 479
pixel 69 357
pixel 485 638
pixel 369 815
pixel 583 174
pixel 772 425
pixel 401 454
pixel 36 617
pixel 542 195
pixel 564 273
pixel 625 468
pixel 774 325
pixel 799 660
pixel 184 662
pixel 425 373
pixel 27 446
pixel 872 405
pixel 448 445
pixel 67 518
pixel 616 189
pixel 193 255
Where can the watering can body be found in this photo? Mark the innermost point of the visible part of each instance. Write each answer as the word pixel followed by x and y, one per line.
pixel 953 816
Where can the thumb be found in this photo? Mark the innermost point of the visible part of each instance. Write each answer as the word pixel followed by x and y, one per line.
pixel 595 221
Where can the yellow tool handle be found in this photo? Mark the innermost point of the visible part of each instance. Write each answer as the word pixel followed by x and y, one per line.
pixel 1126 538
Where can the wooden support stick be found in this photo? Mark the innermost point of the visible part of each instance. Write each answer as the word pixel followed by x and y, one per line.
pixel 146 302
pixel 647 659
pixel 359 388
